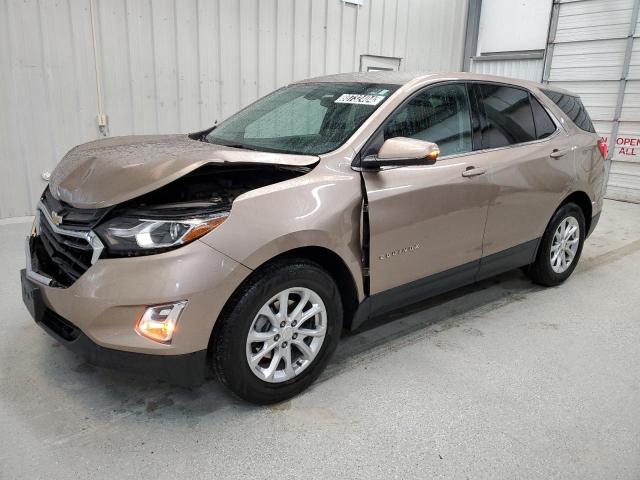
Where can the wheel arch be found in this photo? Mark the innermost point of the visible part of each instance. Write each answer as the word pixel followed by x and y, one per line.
pixel 324 257
pixel 583 200
pixel 580 198
pixel 337 268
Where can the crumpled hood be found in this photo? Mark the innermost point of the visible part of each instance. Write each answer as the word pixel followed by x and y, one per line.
pixel 112 170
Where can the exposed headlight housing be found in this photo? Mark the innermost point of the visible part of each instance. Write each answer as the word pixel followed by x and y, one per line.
pixel 133 235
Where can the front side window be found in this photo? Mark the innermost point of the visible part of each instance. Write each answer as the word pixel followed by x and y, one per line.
pixel 506 117
pixel 308 118
pixel 440 114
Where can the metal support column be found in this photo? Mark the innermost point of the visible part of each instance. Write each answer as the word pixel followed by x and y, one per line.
pixel 471 37
pixel 551 38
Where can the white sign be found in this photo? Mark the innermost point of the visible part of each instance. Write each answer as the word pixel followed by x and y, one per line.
pixel 510 26
pixel 359 99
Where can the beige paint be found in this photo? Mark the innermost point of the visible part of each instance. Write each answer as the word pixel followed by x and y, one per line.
pixel 109 298
pixel 433 207
pixel 399 148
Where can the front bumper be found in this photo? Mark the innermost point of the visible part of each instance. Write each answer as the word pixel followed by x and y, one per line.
pixel 104 304
pixel 186 370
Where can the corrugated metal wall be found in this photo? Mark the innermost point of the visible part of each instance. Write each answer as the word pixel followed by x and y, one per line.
pixel 526 69
pixel 587 58
pixel 179 65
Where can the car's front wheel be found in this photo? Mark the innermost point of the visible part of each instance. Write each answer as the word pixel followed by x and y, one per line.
pixel 278 331
pixel 560 247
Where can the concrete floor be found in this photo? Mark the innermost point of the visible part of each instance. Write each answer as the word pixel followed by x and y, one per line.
pixel 499 380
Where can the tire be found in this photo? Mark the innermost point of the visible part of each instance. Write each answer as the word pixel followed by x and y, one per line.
pixel 249 310
pixel 544 270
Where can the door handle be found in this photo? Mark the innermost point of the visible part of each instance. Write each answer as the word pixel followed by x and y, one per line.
pixel 473 172
pixel 558 153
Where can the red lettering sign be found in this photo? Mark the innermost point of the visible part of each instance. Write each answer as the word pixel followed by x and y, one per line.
pixel 626 145
pixel 627 151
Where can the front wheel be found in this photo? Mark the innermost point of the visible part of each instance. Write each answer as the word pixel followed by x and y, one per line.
pixel 278 332
pixel 560 247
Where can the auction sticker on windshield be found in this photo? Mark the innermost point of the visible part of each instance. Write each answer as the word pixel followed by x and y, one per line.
pixel 359 99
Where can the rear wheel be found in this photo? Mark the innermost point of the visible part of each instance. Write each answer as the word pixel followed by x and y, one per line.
pixel 560 248
pixel 279 331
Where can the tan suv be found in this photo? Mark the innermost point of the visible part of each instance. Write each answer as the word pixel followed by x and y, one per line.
pixel 248 247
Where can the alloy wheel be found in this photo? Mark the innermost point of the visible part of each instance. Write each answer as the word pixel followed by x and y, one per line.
pixel 286 335
pixel 564 245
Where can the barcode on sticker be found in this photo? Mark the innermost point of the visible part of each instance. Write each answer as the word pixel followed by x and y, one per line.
pixel 359 99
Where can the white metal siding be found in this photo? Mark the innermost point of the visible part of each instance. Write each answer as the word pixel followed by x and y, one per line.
pixel 593 20
pixel 624 178
pixel 588 57
pixel 526 69
pixel 179 65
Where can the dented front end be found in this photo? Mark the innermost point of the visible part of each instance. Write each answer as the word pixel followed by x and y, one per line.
pixel 101 270
pixel 185 209
pixel 142 195
pixel 68 240
pixel 114 170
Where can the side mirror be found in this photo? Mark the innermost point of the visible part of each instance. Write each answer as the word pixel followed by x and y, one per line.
pixel 402 151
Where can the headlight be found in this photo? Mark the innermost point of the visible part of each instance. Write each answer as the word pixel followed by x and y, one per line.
pixel 132 235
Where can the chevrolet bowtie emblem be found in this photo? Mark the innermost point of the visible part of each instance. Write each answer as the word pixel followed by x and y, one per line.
pixel 55 218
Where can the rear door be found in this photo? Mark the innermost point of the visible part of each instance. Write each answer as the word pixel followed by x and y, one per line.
pixel 529 161
pixel 427 220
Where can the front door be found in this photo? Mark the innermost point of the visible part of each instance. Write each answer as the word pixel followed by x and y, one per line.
pixel 428 221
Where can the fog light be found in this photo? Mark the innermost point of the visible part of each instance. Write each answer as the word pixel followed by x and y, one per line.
pixel 159 322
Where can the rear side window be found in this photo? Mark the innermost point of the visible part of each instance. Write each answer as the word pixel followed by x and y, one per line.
pixel 506 117
pixel 573 108
pixel 544 125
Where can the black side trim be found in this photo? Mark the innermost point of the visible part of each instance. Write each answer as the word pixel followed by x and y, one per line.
pixel 592 226
pixel 59 327
pixel 476 126
pixel 398 297
pixel 366 238
pixel 508 259
pixel 415 291
pixel 362 314
pixel 186 370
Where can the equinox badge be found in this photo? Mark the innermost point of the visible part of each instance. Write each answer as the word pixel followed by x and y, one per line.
pixel 395 253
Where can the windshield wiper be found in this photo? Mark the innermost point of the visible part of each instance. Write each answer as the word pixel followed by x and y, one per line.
pixel 231 144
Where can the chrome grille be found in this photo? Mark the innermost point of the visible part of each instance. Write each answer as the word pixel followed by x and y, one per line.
pixel 59 255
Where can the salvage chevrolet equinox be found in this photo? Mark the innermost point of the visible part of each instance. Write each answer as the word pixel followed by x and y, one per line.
pixel 248 247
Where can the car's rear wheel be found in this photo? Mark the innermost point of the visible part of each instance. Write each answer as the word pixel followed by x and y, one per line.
pixel 278 332
pixel 560 248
